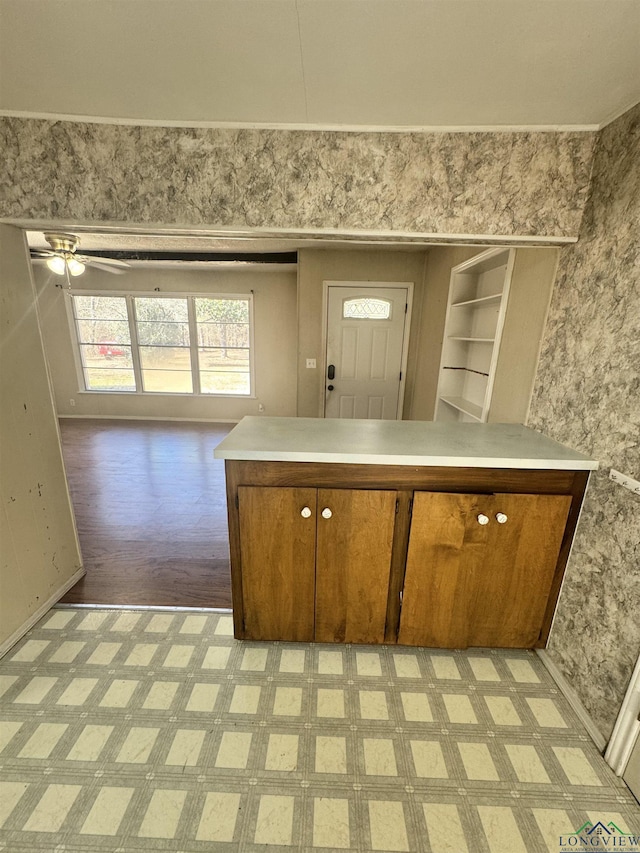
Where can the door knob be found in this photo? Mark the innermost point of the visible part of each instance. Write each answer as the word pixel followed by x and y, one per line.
pixel 483 519
pixel 501 518
pixel 305 512
pixel 326 512
pixel 329 387
pixel 331 371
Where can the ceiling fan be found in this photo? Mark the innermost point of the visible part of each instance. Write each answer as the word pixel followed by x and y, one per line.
pixel 62 258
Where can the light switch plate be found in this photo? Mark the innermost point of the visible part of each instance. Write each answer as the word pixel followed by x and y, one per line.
pixel 311 362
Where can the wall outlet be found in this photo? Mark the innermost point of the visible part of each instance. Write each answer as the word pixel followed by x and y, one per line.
pixel 72 402
pixel 260 407
pixel 311 362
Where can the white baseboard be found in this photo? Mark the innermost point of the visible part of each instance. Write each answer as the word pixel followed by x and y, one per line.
pixel 31 621
pixel 148 418
pixel 165 608
pixel 574 700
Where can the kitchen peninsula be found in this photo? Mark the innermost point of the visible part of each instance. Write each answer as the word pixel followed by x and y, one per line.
pixel 419 533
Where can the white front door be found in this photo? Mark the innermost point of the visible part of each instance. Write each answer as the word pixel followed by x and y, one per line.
pixel 366 344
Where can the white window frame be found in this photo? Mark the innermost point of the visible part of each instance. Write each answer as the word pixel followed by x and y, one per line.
pixel 130 297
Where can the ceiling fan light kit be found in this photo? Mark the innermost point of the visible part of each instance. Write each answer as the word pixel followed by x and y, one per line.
pixel 64 247
pixel 63 260
pixel 75 266
pixel 56 264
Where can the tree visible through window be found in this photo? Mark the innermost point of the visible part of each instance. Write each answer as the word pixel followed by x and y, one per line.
pixel 164 345
pixel 223 345
pixel 179 345
pixel 104 336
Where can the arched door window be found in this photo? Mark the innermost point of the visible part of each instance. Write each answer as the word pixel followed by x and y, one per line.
pixel 365 308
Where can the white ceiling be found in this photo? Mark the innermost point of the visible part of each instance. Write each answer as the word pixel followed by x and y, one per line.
pixel 323 63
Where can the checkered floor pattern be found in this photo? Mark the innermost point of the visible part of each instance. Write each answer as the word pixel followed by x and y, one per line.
pixel 144 730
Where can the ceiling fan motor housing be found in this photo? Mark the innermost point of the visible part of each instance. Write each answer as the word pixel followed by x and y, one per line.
pixel 63 243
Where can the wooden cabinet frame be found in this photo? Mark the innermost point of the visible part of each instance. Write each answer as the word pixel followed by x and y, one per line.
pixel 404 479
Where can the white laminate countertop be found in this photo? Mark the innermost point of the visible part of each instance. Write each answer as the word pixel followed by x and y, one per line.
pixel 373 442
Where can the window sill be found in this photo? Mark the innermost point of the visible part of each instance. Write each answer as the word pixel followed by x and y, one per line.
pixel 168 394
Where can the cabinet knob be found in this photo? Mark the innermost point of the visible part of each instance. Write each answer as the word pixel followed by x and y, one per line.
pixel 483 519
pixel 326 512
pixel 305 512
pixel 501 518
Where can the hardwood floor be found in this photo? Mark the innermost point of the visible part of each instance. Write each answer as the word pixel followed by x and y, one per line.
pixel 150 505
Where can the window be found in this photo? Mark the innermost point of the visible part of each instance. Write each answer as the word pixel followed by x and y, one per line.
pixel 366 308
pixel 164 344
pixel 162 327
pixel 223 345
pixel 104 337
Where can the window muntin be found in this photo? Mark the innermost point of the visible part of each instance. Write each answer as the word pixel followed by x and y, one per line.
pixel 366 308
pixel 104 338
pixel 160 344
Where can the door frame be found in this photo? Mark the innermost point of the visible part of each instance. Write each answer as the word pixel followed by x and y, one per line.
pixel 405 285
pixel 627 727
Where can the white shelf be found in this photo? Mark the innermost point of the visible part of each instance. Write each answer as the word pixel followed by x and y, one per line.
pixel 493 292
pixel 464 406
pixel 486 300
pixel 479 292
pixel 472 340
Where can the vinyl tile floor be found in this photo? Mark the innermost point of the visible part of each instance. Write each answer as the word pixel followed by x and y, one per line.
pixel 125 730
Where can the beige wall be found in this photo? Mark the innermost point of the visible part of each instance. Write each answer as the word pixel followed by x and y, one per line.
pixel 274 295
pixel 38 546
pixel 316 266
pixel 534 273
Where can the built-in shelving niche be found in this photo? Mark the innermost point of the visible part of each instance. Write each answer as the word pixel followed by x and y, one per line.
pixel 478 296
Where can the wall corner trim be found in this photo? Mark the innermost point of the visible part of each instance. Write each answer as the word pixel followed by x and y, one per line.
pixel 8 644
pixel 573 699
pixel 627 726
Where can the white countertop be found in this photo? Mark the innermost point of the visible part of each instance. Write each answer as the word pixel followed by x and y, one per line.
pixel 373 442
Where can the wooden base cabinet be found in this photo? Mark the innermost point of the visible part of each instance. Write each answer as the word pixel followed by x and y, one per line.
pixel 277 545
pixel 437 557
pixel 480 568
pixel 315 563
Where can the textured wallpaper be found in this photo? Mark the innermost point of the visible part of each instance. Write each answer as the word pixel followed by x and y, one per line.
pixel 509 184
pixel 587 395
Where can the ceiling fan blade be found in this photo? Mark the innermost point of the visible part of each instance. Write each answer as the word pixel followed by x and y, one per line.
pixel 41 253
pixel 106 262
pixel 107 267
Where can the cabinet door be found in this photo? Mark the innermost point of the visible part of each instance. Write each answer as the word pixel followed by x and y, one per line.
pixel 445 544
pixel 469 584
pixel 277 547
pixel 353 564
pixel 512 583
